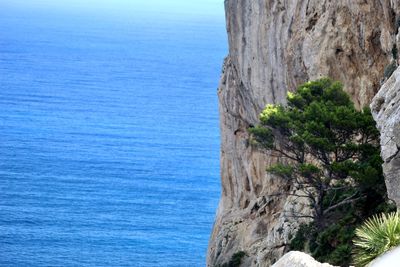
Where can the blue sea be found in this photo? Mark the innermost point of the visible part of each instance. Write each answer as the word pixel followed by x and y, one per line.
pixel 109 132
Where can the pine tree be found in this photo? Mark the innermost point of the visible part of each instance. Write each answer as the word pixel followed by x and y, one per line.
pixel 327 152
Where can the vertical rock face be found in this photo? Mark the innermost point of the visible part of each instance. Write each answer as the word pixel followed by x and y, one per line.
pixel 386 111
pixel 274 45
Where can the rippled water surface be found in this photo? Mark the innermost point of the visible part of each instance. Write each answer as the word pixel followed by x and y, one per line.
pixel 109 138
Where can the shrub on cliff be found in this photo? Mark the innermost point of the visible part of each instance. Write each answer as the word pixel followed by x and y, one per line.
pixel 235 261
pixel 327 153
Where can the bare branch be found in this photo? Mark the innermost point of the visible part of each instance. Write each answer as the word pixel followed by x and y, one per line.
pixel 345 201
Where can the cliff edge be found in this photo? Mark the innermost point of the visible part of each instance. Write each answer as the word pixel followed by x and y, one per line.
pixel 275 45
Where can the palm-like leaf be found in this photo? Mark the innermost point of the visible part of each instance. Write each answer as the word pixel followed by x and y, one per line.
pixel 376 236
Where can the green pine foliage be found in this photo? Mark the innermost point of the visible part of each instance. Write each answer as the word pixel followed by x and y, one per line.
pixel 235 260
pixel 389 69
pixel 328 153
pixel 376 236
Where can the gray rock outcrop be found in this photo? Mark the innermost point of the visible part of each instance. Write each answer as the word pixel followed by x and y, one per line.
pixel 386 111
pixel 299 259
pixel 275 45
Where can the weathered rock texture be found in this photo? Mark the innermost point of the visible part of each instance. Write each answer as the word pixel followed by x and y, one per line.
pixel 299 259
pixel 386 111
pixel 274 45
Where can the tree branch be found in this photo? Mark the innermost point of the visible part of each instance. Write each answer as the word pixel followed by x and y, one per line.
pixel 345 201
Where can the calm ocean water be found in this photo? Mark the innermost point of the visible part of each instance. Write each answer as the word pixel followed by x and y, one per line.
pixel 109 140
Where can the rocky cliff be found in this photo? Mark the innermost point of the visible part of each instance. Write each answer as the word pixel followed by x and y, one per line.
pixel 386 111
pixel 274 45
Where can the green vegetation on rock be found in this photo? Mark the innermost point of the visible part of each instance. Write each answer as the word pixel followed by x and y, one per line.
pixel 328 154
pixel 235 261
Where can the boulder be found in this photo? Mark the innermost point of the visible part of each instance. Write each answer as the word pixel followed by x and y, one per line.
pixel 299 259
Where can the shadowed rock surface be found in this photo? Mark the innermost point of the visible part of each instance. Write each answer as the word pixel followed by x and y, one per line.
pixel 274 46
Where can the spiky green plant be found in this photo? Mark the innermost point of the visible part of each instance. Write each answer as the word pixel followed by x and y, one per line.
pixel 376 236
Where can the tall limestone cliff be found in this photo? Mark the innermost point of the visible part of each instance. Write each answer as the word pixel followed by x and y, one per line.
pixel 274 45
